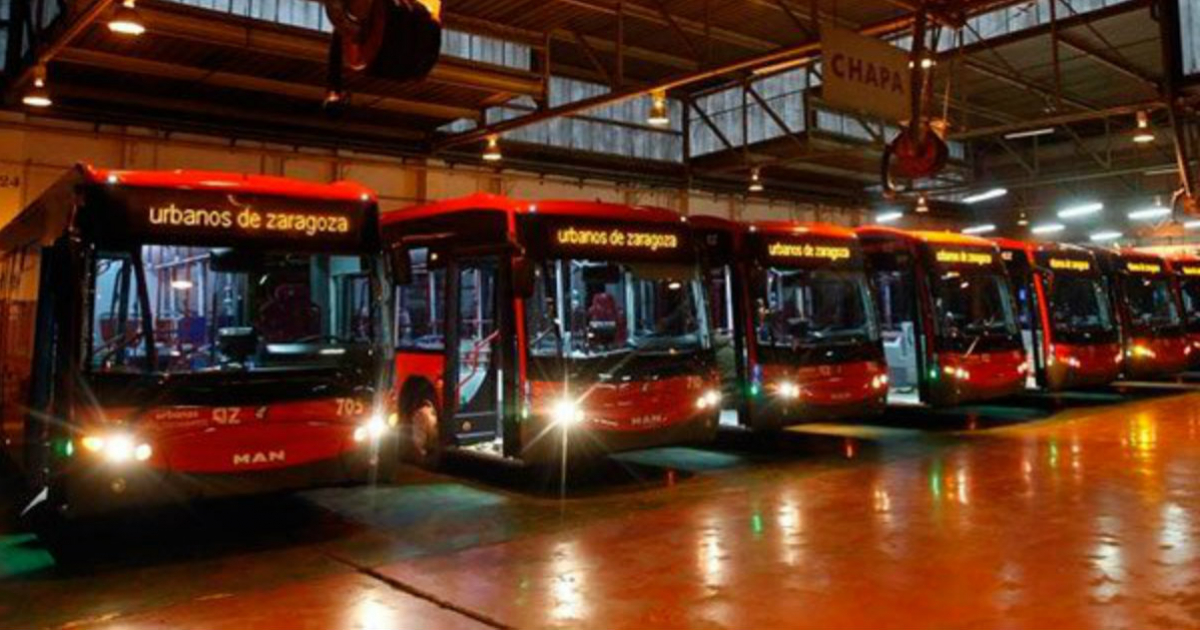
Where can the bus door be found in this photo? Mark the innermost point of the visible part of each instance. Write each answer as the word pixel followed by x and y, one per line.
pixel 473 372
pixel 895 279
pixel 725 294
pixel 1025 282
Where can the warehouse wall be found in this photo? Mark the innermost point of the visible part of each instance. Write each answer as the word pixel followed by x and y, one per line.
pixel 35 152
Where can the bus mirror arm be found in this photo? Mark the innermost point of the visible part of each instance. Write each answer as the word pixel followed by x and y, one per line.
pixel 523 277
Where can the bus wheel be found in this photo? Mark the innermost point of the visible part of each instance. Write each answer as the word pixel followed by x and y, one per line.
pixel 422 443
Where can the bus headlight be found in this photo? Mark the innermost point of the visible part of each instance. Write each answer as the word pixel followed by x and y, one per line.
pixel 1143 352
pixel 788 390
pixel 959 373
pixel 880 381
pixel 374 428
pixel 566 412
pixel 709 399
pixel 117 448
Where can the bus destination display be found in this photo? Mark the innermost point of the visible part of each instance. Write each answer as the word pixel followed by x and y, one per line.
pixel 196 216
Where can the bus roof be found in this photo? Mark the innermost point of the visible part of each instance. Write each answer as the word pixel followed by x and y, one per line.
pixel 554 207
pixel 231 182
pixel 1032 247
pixel 791 228
pixel 928 236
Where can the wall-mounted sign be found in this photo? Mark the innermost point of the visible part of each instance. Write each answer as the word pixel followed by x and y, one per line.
pixel 1135 266
pixel 1189 270
pixel 864 74
pixel 969 257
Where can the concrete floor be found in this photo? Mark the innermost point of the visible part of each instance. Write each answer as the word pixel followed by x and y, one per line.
pixel 1036 513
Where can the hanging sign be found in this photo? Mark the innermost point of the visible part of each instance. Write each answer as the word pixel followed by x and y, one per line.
pixel 864 74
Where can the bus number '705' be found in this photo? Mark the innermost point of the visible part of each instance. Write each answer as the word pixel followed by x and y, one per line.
pixel 350 407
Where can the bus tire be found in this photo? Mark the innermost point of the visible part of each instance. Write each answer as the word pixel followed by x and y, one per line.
pixel 421 442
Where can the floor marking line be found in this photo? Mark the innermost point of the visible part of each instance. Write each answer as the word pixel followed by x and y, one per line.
pixel 420 594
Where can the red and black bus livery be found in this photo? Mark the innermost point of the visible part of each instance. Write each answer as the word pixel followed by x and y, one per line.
pixel 516 321
pixel 947 314
pixel 1187 274
pixel 1150 311
pixel 795 325
pixel 1068 323
pixel 191 334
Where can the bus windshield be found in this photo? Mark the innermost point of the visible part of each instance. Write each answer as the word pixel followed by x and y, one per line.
pixel 586 308
pixel 814 307
pixel 970 306
pixel 1079 304
pixel 209 309
pixel 1191 303
pixel 1152 306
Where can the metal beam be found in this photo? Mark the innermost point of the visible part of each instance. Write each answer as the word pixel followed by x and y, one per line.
pixel 73 28
pixel 651 14
pixel 786 53
pixel 207 26
pixel 1108 61
pixel 331 132
pixel 590 53
pixel 314 93
pixel 708 122
pixel 1055 121
pixel 674 24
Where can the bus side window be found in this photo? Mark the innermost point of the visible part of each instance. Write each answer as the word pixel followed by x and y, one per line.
pixel 420 306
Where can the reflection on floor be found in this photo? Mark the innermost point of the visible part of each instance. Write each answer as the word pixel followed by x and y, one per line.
pixel 1077 510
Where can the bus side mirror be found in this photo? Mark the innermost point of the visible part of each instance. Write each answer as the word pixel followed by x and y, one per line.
pixel 523 277
pixel 401 265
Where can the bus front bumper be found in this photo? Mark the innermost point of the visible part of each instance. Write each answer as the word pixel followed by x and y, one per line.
pixel 586 441
pixel 97 489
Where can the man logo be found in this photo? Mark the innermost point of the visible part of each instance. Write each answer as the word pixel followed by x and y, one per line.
pixel 254 459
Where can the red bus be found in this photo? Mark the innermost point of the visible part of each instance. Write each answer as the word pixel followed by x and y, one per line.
pixel 795 325
pixel 516 321
pixel 176 335
pixel 1068 323
pixel 946 310
pixel 1187 271
pixel 1142 286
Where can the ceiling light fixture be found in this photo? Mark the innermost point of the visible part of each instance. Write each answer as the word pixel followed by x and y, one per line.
pixel 980 229
pixel 1149 214
pixel 126 20
pixel 492 152
pixel 1033 133
pixel 1048 228
pixel 659 115
pixel 889 217
pixel 994 193
pixel 922 204
pixel 1108 235
pixel 1144 134
pixel 1080 211
pixel 38 95
pixel 756 184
